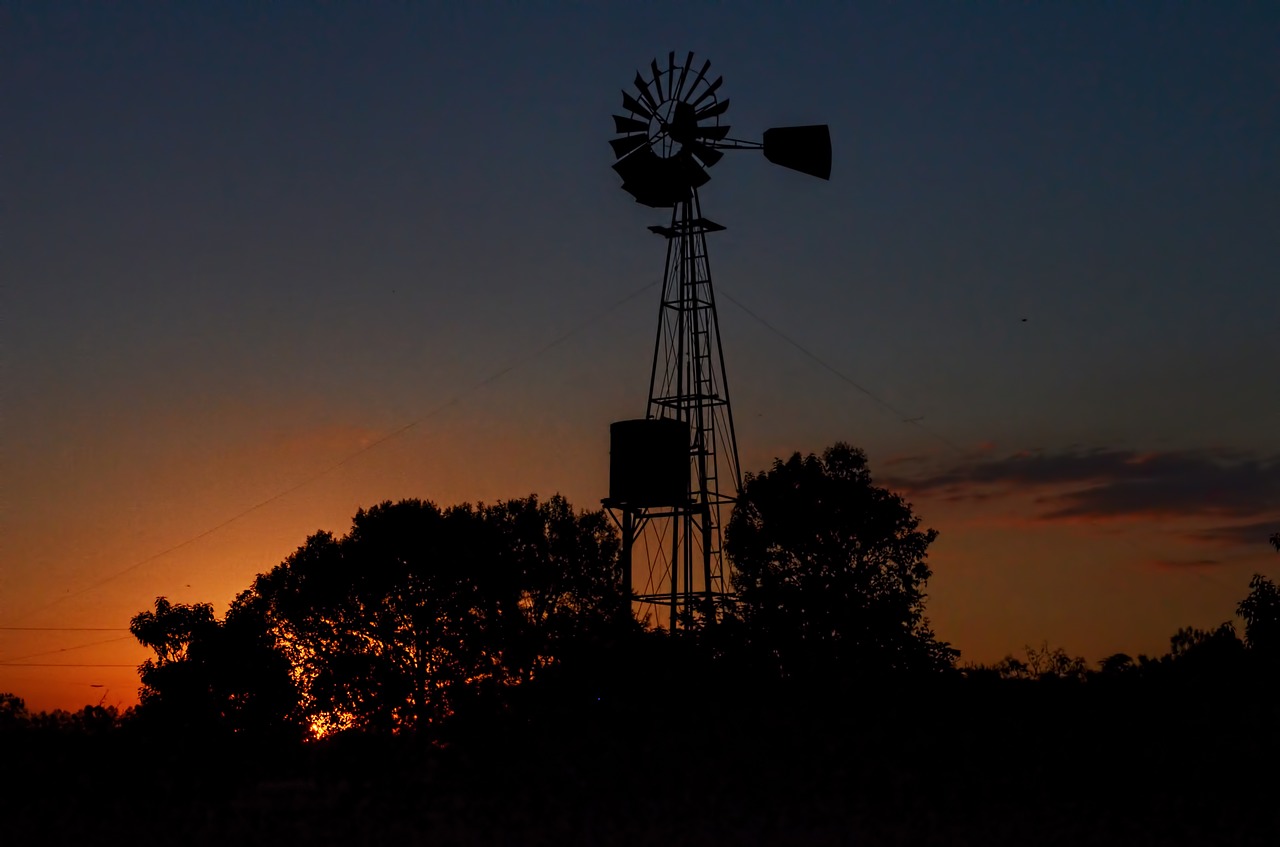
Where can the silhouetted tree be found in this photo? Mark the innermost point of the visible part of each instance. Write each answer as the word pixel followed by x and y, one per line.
pixel 1046 663
pixel 210 675
pixel 13 712
pixel 1056 663
pixel 171 631
pixel 1011 668
pixel 1261 613
pixel 1214 652
pixel 830 570
pixel 1275 541
pixel 89 720
pixel 419 610
pixel 1189 640
pixel 1117 665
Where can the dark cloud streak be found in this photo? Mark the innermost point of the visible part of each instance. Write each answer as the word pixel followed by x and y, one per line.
pixel 1236 534
pixel 1179 564
pixel 1104 483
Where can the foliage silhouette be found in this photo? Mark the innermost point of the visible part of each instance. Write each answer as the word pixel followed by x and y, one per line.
pixel 213 676
pixel 1260 611
pixel 830 571
pixel 1206 649
pixel 13 711
pixel 421 612
pixel 1196 657
pixel 1052 664
pixel 1117 665
pixel 87 721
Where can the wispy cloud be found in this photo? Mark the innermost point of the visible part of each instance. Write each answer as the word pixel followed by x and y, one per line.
pixel 1185 564
pixel 1105 484
pixel 1236 534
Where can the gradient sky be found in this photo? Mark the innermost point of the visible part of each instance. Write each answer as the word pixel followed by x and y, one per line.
pixel 241 242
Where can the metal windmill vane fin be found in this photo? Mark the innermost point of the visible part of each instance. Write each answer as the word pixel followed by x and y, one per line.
pixel 684 73
pixel 634 106
pixel 711 90
pixel 714 110
pixel 645 95
pixel 621 124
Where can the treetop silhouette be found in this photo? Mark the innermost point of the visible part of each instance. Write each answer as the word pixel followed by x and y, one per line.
pixel 421 615
pixel 830 570
pixel 418 609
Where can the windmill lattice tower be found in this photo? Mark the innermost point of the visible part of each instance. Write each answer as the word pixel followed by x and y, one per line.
pixel 674 474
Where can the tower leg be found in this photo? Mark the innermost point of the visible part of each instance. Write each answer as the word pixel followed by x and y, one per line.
pixel 624 558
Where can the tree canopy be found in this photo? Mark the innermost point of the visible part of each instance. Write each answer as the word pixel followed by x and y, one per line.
pixel 418 609
pixel 212 674
pixel 830 570
pixel 1260 611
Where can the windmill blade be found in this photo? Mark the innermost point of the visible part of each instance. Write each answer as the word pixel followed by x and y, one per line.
pixel 621 124
pixel 657 78
pixel 712 133
pixel 700 76
pixel 623 146
pixel 689 170
pixel 637 168
pixel 714 109
pixel 659 182
pixel 671 75
pixel 683 74
pixel 643 88
pixel 806 149
pixel 708 155
pixel 631 104
pixel 711 89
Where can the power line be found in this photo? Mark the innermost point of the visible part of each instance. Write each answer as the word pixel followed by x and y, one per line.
pixel 64 629
pixel 515 364
pixel 8 659
pixel 59 665
pixel 843 377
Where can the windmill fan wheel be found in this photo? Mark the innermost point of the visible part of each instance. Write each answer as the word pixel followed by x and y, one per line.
pixel 666 141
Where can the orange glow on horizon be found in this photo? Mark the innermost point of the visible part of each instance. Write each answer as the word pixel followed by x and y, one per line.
pixel 1004 575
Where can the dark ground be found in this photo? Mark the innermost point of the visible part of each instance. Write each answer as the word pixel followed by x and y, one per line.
pixel 1017 764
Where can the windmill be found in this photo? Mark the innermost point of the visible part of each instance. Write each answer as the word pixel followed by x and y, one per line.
pixel 674 474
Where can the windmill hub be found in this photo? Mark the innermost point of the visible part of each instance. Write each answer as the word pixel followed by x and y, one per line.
pixel 684 124
pixel 661 138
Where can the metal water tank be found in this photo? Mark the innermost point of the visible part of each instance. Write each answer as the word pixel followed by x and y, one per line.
pixel 649 462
